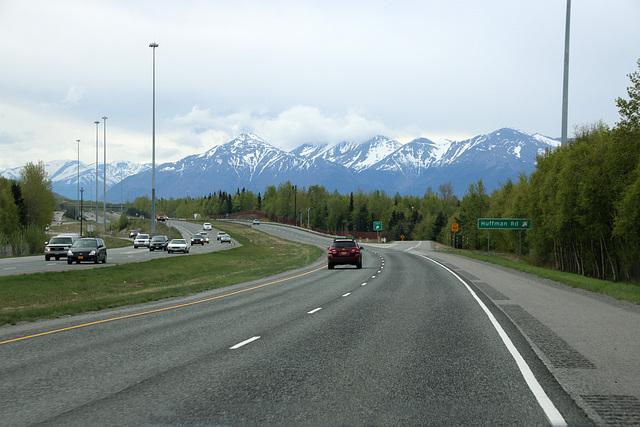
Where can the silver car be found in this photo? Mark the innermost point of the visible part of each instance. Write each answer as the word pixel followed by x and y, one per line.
pixel 142 240
pixel 178 245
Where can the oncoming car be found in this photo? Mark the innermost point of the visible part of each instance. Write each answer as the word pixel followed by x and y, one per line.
pixel 87 249
pixel 141 240
pixel 344 251
pixel 159 242
pixel 197 239
pixel 178 245
pixel 225 238
pixel 58 247
pixel 206 226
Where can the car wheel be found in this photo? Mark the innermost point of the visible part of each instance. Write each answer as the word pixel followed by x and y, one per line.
pixel 68 261
pixel 330 266
pixel 46 258
pixel 359 265
pixel 104 260
pixel 95 261
pixel 170 252
pixel 135 247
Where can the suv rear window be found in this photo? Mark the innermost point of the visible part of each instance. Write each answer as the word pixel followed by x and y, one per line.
pixel 344 244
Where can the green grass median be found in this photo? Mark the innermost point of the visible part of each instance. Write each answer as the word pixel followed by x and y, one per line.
pixel 30 297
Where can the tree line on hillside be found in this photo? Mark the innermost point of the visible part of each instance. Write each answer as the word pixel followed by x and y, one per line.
pixel 26 209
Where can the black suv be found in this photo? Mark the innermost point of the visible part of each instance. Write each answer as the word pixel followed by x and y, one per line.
pixel 344 251
pixel 197 239
pixel 159 242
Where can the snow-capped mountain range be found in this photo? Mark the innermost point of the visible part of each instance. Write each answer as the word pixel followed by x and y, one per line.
pixel 380 163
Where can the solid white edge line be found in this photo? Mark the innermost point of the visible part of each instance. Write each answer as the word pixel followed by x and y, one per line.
pixel 314 310
pixel 245 342
pixel 552 413
pixel 347 294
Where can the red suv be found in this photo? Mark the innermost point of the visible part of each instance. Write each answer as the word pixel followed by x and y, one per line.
pixel 344 251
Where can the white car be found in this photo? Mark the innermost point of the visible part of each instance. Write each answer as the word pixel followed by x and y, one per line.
pixel 256 221
pixel 206 226
pixel 142 240
pixel 220 234
pixel 178 245
pixel 225 238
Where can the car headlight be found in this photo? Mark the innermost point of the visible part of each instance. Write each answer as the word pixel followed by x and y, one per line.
pixel 92 253
pixel 69 253
pixel 47 249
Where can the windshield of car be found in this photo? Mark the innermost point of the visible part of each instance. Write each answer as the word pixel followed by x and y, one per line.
pixel 179 242
pixel 158 238
pixel 344 244
pixel 61 240
pixel 85 243
pixel 142 236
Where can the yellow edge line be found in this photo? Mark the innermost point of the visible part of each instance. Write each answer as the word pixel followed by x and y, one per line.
pixel 158 310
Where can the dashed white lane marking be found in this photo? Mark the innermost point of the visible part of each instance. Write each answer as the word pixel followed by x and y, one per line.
pixel 245 342
pixel 314 310
pixel 347 294
pixel 364 284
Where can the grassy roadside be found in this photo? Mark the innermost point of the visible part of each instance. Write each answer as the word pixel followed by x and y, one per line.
pixel 623 291
pixel 47 295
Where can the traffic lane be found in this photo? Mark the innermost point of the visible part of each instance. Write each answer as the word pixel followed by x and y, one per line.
pixel 395 342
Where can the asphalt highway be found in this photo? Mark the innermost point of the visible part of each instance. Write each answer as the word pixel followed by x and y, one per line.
pixel 407 340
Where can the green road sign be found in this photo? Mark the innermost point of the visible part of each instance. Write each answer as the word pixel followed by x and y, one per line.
pixel 377 225
pixel 503 224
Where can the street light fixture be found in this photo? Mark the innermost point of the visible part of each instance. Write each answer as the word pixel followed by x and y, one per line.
pixel 97 122
pixel 104 181
pixel 78 190
pixel 565 80
pixel 153 143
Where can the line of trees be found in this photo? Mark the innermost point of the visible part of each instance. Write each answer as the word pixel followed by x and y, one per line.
pixel 26 209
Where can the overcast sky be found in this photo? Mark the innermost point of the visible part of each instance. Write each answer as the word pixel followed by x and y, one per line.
pixel 300 71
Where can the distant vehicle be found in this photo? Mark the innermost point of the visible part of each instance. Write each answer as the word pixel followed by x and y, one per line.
pixel 87 249
pixel 133 233
pixel 141 240
pixel 178 245
pixel 197 239
pixel 256 221
pixel 220 234
pixel 159 242
pixel 160 216
pixel 344 251
pixel 205 236
pixel 206 226
pixel 58 247
pixel 225 238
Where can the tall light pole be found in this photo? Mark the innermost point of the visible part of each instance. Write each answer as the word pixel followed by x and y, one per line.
pixel 565 81
pixel 153 46
pixel 78 190
pixel 104 180
pixel 97 123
